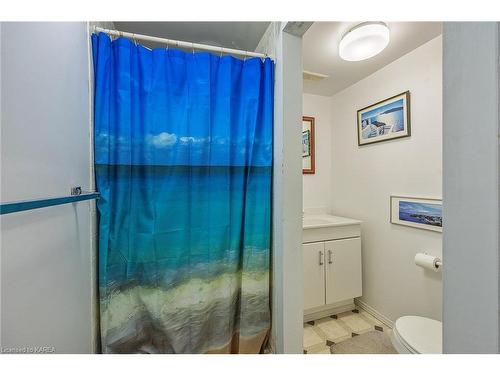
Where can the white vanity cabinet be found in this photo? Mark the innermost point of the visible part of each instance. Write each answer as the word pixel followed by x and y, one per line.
pixel 343 270
pixel 314 274
pixel 332 264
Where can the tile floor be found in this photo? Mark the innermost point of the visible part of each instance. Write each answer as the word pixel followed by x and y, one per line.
pixel 320 334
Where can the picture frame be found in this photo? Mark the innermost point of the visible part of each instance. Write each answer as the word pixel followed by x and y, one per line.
pixel 421 213
pixel 308 157
pixel 385 120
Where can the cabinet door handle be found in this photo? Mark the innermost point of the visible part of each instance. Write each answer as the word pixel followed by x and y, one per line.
pixel 321 258
pixel 330 261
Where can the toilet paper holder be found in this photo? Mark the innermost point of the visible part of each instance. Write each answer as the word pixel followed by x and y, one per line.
pixel 428 261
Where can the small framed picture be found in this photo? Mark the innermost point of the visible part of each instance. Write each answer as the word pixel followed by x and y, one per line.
pixel 308 145
pixel 385 120
pixel 422 213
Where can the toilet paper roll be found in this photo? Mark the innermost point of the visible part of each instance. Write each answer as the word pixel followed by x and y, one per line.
pixel 427 261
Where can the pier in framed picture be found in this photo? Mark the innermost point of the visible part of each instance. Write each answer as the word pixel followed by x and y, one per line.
pixel 308 145
pixel 385 120
pixel 423 213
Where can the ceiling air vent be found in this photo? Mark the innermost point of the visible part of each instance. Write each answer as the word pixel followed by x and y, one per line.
pixel 312 76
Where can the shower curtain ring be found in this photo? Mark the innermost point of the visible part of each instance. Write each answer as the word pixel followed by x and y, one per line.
pixel 192 47
pixel 221 50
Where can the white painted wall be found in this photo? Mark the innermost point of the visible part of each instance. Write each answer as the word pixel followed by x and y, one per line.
pixel 288 286
pixel 316 187
pixel 46 253
pixel 363 178
pixel 471 173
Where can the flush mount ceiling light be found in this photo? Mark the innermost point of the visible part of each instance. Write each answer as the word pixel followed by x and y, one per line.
pixel 364 41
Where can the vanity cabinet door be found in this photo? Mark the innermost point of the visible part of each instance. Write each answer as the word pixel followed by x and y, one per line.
pixel 314 274
pixel 343 269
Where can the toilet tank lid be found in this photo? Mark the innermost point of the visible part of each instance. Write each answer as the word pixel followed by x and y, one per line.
pixel 424 335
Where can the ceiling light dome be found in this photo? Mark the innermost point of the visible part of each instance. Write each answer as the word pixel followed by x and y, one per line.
pixel 364 41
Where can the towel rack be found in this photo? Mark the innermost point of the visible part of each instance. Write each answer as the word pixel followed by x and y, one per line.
pixel 77 195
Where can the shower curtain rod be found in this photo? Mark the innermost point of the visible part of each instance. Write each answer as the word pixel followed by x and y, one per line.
pixel 179 43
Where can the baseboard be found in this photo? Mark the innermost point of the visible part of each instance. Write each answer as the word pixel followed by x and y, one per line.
pixel 375 313
pixel 324 311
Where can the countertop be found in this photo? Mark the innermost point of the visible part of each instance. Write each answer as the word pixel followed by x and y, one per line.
pixel 324 220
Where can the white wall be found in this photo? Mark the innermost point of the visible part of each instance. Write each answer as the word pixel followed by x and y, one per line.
pixel 471 150
pixel 363 178
pixel 46 253
pixel 288 287
pixel 316 187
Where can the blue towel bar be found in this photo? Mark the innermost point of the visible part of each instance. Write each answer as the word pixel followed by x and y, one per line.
pixel 11 207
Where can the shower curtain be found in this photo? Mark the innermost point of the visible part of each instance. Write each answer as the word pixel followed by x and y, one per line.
pixel 183 160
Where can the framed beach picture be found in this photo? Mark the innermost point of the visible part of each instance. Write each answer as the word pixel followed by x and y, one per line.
pixel 423 213
pixel 385 120
pixel 308 145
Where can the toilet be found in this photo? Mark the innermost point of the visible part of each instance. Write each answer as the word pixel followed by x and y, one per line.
pixel 417 335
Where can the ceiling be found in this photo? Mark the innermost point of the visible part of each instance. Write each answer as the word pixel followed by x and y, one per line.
pixel 239 35
pixel 320 53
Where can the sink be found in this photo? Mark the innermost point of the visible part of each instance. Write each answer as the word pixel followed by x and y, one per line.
pixel 319 221
pixel 326 227
pixel 309 222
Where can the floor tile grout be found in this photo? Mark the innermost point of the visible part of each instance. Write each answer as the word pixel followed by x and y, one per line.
pixel 323 337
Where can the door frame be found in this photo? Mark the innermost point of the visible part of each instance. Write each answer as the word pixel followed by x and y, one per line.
pixel 471 187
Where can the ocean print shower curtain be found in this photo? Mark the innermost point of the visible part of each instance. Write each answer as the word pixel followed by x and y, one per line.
pixel 183 157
